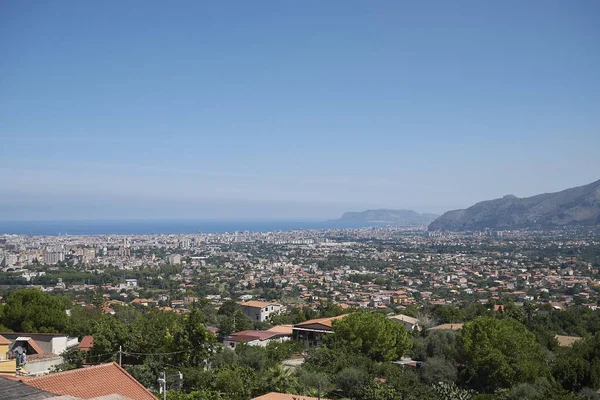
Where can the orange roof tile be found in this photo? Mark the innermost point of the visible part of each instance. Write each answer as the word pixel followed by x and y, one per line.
pixel 96 381
pixel 87 342
pixel 321 321
pixel 35 346
pixel 257 304
pixel 285 329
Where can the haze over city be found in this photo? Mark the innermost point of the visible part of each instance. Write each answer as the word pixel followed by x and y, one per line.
pixel 269 110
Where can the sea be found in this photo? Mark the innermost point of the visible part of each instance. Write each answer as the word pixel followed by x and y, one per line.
pixel 152 227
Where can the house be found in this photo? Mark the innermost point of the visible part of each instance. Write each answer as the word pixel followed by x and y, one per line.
pixel 131 283
pixel 86 344
pixel 42 350
pixel 8 366
pixel 177 303
pixel 410 323
pixel 311 331
pixel 174 259
pixel 285 396
pixel 259 310
pixel 88 383
pixel 255 338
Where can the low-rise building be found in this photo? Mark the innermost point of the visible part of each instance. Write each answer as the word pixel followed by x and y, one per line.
pixel 259 310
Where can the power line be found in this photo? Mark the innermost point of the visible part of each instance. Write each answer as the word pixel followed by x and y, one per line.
pixel 155 354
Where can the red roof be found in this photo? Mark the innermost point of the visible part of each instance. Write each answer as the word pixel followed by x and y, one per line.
pixel 321 321
pixel 96 381
pixel 87 342
pixel 35 347
pixel 248 336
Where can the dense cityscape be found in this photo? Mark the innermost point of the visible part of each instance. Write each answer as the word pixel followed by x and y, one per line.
pixel 366 268
pixel 268 301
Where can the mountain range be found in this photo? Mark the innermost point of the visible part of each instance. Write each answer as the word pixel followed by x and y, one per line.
pixel 576 206
pixel 388 217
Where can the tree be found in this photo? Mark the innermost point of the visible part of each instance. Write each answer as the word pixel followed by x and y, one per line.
pixel 237 322
pixel 438 370
pixel 31 310
pixel 449 391
pixel 441 344
pixel 108 334
pixel 312 383
pixel 195 395
pixel 499 353
pixel 97 298
pixel 579 366
pixel 191 341
pixel 371 334
pixel 235 382
pixel 378 391
pixel 229 307
pixel 279 379
pixel 72 358
pixel 352 380
pixel 448 314
pixel 82 319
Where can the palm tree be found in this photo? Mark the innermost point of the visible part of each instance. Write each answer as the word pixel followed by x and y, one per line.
pixel 280 379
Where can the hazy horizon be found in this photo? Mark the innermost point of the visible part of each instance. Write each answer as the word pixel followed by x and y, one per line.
pixel 114 111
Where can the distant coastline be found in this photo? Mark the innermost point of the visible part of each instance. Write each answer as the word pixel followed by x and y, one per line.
pixel 155 227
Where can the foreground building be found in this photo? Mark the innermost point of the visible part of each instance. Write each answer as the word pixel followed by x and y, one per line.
pixel 108 380
pixel 277 333
pixel 43 352
pixel 311 332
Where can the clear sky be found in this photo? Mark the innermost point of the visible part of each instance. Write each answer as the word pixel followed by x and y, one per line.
pixel 292 109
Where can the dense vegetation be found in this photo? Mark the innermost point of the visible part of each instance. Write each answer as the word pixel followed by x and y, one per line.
pixel 496 356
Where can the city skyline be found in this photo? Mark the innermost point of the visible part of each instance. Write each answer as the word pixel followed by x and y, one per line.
pixel 303 111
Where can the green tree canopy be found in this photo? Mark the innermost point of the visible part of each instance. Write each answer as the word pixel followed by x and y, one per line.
pixel 499 353
pixel 371 334
pixel 31 310
pixel 579 366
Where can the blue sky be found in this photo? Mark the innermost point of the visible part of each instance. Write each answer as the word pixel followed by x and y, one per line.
pixel 153 109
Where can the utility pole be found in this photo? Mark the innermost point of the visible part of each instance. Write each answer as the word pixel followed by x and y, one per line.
pixel 120 353
pixel 165 390
pixel 162 382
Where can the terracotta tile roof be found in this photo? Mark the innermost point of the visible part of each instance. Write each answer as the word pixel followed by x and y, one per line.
pixel 321 321
pixel 96 381
pixel 87 342
pixel 257 304
pixel 36 347
pixel 284 329
pixel 284 396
